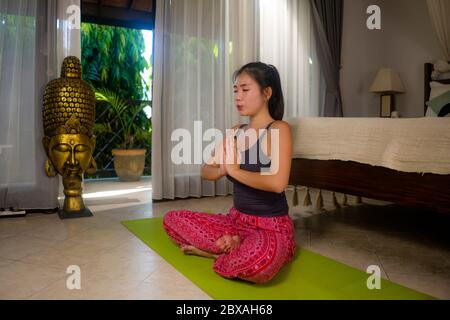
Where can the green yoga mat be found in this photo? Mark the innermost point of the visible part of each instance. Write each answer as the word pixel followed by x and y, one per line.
pixel 309 276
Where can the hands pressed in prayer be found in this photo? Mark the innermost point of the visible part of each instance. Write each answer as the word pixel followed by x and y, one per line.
pixel 232 155
pixel 226 157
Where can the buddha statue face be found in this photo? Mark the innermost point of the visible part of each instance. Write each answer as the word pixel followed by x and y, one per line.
pixel 70 154
pixel 68 116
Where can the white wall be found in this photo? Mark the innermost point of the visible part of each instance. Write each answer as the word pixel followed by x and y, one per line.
pixel 406 41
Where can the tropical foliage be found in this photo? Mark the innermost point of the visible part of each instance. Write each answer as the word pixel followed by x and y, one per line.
pixel 112 58
pixel 129 124
pixel 112 63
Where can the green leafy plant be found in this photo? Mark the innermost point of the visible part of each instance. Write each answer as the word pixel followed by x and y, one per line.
pixel 125 120
pixel 114 66
pixel 112 58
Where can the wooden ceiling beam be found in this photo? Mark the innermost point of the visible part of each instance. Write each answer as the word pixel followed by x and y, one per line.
pixel 101 13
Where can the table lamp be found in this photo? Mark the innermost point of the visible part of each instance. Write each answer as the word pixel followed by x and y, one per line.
pixel 387 82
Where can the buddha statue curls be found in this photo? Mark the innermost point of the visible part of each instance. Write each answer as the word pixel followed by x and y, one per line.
pixel 69 141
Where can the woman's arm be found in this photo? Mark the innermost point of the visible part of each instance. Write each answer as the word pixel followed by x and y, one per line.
pixel 212 170
pixel 212 173
pixel 281 157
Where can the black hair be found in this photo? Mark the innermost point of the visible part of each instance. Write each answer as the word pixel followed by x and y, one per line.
pixel 266 75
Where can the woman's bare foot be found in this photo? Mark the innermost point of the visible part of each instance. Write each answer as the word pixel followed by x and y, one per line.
pixel 186 249
pixel 228 242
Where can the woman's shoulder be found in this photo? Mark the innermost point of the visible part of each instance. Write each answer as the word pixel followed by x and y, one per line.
pixel 280 124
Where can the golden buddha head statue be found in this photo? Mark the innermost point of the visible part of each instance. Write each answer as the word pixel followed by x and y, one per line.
pixel 69 117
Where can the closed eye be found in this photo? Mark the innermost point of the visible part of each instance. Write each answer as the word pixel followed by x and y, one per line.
pixel 62 147
pixel 81 148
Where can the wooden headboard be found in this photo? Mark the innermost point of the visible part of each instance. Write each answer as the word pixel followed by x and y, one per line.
pixel 429 68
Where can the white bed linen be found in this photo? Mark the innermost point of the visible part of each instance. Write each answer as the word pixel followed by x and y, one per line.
pixel 410 145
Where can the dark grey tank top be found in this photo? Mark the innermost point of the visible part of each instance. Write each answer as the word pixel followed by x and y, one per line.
pixel 255 201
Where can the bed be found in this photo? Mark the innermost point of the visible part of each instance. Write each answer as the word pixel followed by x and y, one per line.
pixel 382 178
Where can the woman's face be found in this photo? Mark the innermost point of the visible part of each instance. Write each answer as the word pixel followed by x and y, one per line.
pixel 247 95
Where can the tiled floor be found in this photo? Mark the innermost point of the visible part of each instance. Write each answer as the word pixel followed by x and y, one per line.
pixel 412 247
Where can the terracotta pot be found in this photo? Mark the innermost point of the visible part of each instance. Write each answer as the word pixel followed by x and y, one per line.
pixel 129 164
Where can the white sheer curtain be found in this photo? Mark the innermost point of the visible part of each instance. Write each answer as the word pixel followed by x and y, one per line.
pixel 287 42
pixel 30 56
pixel 440 16
pixel 198 45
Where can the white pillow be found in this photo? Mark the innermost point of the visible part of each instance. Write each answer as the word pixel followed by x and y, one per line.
pixel 442 76
pixel 430 113
pixel 442 66
pixel 437 89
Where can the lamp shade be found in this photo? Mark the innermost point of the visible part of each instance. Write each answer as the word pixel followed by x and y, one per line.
pixel 387 80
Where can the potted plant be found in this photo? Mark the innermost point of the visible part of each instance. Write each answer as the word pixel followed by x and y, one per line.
pixel 129 132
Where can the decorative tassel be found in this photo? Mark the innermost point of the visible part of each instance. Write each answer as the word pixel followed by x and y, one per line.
pixel 307 202
pixel 344 201
pixel 358 200
pixel 335 202
pixel 295 197
pixel 319 201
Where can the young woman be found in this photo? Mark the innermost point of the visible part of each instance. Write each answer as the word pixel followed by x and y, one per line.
pixel 256 238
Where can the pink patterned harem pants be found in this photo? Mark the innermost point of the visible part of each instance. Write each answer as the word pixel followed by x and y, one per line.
pixel 267 243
